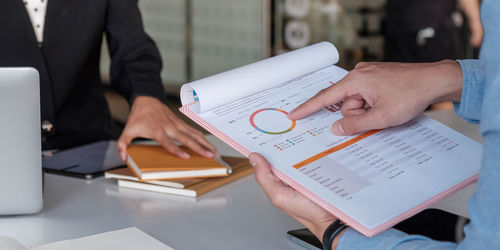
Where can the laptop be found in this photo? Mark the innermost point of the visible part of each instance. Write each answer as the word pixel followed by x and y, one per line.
pixel 20 142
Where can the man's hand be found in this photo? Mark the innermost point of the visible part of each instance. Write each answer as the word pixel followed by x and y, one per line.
pixel 150 118
pixel 315 218
pixel 380 95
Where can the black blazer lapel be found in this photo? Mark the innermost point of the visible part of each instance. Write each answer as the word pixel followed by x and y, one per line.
pixel 15 21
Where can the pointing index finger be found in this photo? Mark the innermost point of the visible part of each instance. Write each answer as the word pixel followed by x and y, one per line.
pixel 323 98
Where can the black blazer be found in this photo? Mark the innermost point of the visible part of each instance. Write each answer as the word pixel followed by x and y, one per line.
pixel 72 95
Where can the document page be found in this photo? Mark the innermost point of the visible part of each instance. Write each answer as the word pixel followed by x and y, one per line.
pixel 370 177
pixel 125 239
pixel 8 243
pixel 253 78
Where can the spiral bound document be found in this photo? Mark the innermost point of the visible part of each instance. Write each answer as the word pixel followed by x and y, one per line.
pixel 371 181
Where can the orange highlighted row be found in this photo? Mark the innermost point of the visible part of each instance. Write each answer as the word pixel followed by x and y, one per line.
pixel 335 149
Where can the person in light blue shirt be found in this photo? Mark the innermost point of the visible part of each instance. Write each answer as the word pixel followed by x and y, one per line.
pixel 379 95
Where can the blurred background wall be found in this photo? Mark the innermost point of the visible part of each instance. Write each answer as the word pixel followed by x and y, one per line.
pixel 198 38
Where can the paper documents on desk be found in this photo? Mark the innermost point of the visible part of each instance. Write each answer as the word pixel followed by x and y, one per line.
pixel 125 239
pixel 370 181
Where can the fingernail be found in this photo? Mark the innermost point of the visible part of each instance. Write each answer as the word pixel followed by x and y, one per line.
pixel 185 155
pixel 123 156
pixel 252 160
pixel 209 154
pixel 339 130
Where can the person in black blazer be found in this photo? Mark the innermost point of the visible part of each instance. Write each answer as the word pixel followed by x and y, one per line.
pixel 74 110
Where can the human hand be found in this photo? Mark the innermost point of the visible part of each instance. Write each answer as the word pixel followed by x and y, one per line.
pixel 380 95
pixel 315 218
pixel 476 33
pixel 150 118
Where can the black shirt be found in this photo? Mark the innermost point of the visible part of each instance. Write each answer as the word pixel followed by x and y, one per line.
pixel 72 95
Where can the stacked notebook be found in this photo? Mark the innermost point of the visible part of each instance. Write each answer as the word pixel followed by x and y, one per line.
pixel 151 168
pixel 153 162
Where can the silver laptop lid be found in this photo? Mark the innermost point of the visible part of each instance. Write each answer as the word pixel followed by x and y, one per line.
pixel 20 142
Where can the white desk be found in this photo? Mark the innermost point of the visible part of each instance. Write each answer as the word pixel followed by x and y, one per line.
pixel 236 216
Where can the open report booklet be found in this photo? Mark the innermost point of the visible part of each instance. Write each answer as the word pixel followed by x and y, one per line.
pixel 370 181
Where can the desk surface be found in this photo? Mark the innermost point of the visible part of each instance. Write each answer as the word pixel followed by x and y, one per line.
pixel 236 216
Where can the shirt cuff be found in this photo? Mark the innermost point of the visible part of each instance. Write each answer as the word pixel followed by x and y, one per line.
pixel 390 239
pixel 469 107
pixel 351 239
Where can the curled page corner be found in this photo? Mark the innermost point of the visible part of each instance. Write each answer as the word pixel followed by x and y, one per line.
pixel 190 96
pixel 226 87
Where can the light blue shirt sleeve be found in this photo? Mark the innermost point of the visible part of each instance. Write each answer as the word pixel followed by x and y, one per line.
pixel 480 103
pixel 474 78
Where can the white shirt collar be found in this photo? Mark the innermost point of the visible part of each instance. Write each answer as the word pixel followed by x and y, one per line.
pixel 36 10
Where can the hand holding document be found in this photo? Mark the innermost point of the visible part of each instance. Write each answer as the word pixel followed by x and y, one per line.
pixel 370 180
